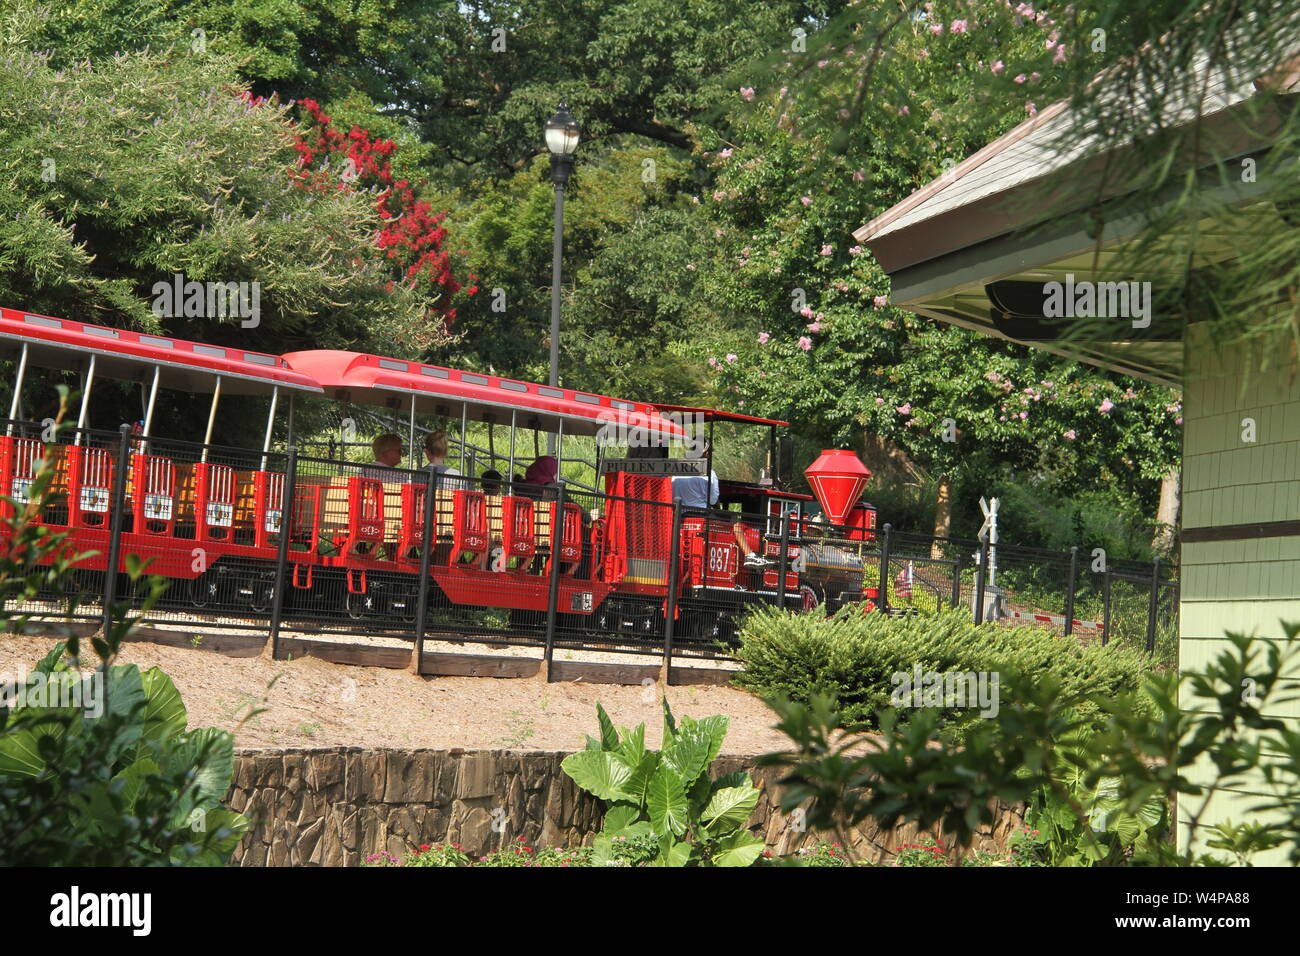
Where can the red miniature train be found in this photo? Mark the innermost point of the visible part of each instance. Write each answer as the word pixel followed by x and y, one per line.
pixel 209 519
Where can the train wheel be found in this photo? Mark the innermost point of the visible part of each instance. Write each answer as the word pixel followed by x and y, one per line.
pixel 203 590
pixel 357 605
pixel 263 595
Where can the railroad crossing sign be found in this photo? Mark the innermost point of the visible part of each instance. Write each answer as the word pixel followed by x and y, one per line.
pixel 989 506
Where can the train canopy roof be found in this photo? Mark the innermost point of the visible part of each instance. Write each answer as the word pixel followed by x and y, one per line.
pixel 363 379
pixel 717 415
pixel 132 356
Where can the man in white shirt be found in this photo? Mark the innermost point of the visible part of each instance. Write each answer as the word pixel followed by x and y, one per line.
pixel 698 493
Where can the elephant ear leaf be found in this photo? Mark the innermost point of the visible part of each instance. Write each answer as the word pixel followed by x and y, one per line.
pixel 688 753
pixel 608 735
pixel 666 803
pixel 740 848
pixel 20 755
pixel 598 772
pixel 53 661
pixel 672 853
pixel 620 816
pixel 670 725
pixel 164 712
pixel 714 729
pixel 729 807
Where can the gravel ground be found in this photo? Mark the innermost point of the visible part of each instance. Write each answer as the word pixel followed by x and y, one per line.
pixel 314 703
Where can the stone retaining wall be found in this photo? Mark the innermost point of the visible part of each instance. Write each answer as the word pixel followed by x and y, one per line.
pixel 336 806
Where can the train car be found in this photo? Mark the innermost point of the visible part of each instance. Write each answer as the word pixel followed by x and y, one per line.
pixel 207 518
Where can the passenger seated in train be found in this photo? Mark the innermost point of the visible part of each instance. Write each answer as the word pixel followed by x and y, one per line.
pixel 540 479
pixel 388 455
pixel 697 493
pixel 435 450
pixel 491 480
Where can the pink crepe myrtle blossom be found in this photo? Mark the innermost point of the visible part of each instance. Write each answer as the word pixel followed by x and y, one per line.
pixel 690 267
pixel 958 26
pixel 880 401
pixel 1020 78
pixel 763 339
pixel 997 67
pixel 880 301
pixel 1023 416
pixel 806 312
pixel 724 153
pixel 814 327
pixel 1031 109
pixel 805 343
pixel 1178 420
pixel 1070 434
pixel 1060 54
pixel 806 200
pixel 936 28
pixel 904 409
pixel 904 110
pixel 719 195
pixel 859 175
pixel 822 64
pixel 713 362
pixel 855 251
pixel 828 249
pixel 732 356
pixel 1105 406
pixel 747 93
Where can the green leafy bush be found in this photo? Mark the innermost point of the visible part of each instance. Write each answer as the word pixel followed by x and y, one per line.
pixel 99 769
pixel 853 656
pixel 1097 792
pixel 662 805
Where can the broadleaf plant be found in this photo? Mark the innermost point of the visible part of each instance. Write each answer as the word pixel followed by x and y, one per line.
pixel 667 797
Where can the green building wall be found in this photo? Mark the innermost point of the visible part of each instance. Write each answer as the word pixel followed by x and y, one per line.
pixel 1251 583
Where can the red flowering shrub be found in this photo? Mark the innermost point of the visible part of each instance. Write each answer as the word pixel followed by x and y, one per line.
pixel 411 235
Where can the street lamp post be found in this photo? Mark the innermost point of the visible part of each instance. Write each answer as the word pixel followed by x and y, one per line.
pixel 562 141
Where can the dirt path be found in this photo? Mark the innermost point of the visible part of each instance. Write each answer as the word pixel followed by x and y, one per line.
pixel 315 703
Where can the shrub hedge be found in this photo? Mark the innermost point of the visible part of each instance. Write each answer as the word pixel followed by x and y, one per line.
pixel 853 656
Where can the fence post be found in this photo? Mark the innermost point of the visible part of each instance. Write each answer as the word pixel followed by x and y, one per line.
pixel 282 582
pixel 115 526
pixel 882 599
pixel 670 604
pixel 1152 605
pixel 1071 584
pixel 553 584
pixel 426 559
pixel 956 580
pixel 981 575
pixel 783 562
pixel 1105 607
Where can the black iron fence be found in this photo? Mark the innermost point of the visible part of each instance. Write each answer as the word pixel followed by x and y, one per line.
pixel 288 544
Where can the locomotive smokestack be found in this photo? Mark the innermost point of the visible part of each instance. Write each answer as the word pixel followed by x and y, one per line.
pixel 837 478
